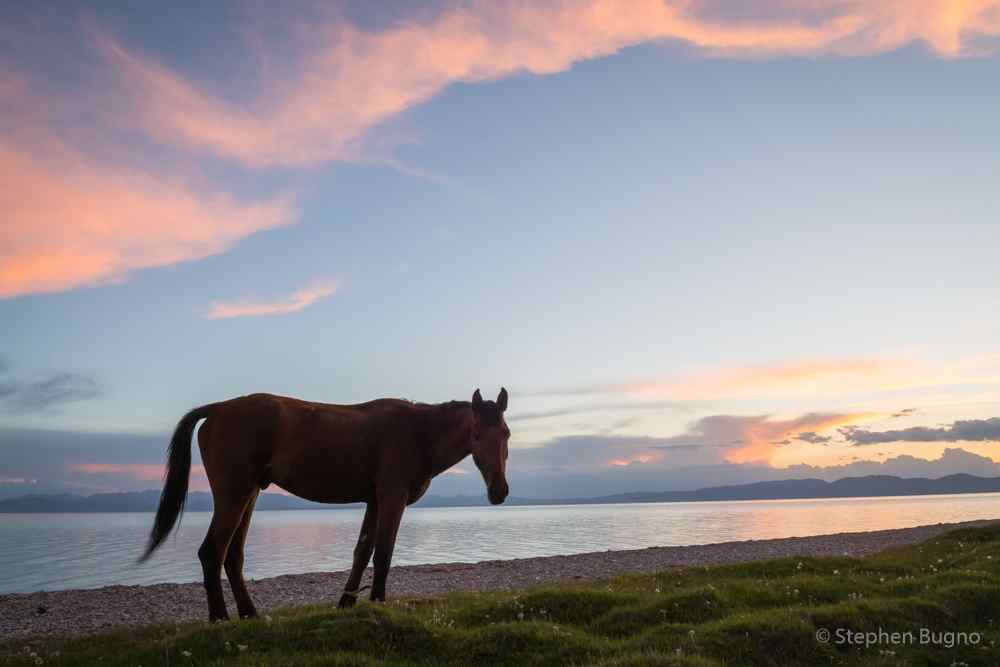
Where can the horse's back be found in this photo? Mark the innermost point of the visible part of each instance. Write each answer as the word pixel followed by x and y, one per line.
pixel 302 445
pixel 263 401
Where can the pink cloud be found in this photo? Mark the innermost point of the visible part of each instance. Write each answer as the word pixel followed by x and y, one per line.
pixel 72 219
pixel 639 458
pixel 807 378
pixel 142 472
pixel 297 301
pixel 70 222
pixel 351 80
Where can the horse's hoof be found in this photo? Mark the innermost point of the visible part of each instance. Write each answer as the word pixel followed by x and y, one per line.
pixel 249 615
pixel 346 601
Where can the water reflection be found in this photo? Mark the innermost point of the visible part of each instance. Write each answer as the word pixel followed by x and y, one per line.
pixel 54 551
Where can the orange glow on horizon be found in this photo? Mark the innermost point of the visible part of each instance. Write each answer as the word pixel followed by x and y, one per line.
pixel 640 458
pixel 760 438
pixel 144 472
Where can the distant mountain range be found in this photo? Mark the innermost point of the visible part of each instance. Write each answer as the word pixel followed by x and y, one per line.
pixel 849 487
pixel 137 501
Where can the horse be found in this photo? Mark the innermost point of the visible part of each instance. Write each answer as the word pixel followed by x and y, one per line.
pixel 383 453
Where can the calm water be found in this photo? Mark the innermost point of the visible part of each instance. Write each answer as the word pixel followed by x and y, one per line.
pixel 56 551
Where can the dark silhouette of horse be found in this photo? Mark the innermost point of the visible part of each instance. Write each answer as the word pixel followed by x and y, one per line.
pixel 383 453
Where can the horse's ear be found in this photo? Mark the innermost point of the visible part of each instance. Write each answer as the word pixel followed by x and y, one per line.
pixel 502 400
pixel 477 400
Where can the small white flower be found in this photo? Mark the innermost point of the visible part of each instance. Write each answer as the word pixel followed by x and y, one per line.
pixel 242 647
pixel 186 654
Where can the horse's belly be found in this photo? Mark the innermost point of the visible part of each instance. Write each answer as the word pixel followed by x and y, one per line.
pixel 417 492
pixel 323 477
pixel 328 493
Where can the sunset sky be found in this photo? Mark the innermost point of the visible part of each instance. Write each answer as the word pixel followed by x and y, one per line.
pixel 699 241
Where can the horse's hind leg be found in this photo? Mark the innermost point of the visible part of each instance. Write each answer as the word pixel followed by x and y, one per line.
pixel 234 564
pixel 391 504
pixel 362 554
pixel 226 519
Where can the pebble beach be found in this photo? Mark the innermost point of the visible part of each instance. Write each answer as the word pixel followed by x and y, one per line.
pixel 76 612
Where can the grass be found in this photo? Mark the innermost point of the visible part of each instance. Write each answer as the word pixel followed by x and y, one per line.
pixel 760 613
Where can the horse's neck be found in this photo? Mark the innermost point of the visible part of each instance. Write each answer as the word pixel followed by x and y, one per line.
pixel 450 437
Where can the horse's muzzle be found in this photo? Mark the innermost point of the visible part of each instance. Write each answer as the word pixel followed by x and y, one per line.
pixel 498 493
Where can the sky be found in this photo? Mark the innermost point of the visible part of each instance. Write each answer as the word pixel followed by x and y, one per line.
pixel 699 241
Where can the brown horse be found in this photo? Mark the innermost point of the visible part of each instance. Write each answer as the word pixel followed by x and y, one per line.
pixel 383 453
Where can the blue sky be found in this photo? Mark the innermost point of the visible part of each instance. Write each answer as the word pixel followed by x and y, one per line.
pixel 633 225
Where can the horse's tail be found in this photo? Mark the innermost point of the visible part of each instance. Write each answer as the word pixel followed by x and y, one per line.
pixel 175 485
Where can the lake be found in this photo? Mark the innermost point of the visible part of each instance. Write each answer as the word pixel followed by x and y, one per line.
pixel 59 551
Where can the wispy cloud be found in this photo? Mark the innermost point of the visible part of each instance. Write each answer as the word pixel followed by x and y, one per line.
pixel 117 476
pixel 350 80
pixel 814 438
pixel 589 452
pixel 136 471
pixel 590 408
pixel 72 221
pixel 802 378
pixel 715 383
pixel 967 430
pixel 250 308
pixel 46 391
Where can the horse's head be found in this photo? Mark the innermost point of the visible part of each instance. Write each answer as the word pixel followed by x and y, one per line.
pixel 489 443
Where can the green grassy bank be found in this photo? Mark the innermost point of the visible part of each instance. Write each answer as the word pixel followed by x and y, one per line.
pixel 942 597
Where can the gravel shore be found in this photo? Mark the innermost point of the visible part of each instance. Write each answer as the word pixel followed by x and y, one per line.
pixel 86 611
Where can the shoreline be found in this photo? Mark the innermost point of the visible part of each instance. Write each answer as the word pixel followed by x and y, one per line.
pixel 463 502
pixel 86 611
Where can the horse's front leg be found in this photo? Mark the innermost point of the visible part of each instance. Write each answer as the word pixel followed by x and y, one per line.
pixel 362 554
pixel 391 504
